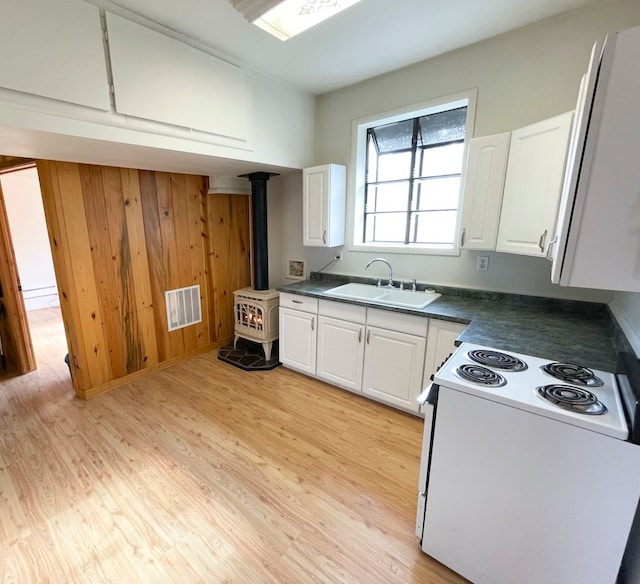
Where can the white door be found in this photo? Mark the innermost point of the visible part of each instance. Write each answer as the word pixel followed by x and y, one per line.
pixel 535 172
pixel 340 352
pixel 298 340
pixel 393 365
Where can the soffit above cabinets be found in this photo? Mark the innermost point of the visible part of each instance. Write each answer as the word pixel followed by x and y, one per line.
pixel 51 67
pixel 159 78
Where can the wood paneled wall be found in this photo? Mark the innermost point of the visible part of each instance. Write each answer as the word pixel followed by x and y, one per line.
pixel 229 253
pixel 120 238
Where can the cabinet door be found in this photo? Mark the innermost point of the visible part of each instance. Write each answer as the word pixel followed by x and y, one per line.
pixel 440 344
pixel 535 170
pixel 298 340
pixel 340 352
pixel 323 205
pixel 314 189
pixel 393 365
pixel 483 185
pixel 190 88
pixel 54 50
pixel 604 229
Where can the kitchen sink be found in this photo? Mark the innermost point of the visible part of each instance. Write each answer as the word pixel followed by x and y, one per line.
pixel 383 295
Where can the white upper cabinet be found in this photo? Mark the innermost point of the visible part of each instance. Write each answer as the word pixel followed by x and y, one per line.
pixel 599 226
pixel 535 171
pixel 159 78
pixel 323 205
pixel 483 185
pixel 54 50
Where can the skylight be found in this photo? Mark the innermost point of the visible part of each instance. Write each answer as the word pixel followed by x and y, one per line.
pixel 291 17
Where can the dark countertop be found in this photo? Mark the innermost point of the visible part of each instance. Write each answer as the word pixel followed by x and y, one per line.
pixel 559 330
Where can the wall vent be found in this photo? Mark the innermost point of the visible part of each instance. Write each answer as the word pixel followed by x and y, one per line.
pixel 183 307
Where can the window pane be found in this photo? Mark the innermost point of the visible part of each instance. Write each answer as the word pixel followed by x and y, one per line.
pixel 444 126
pixel 388 197
pixel 387 227
pixel 396 136
pixel 436 193
pixel 396 165
pixel 436 227
pixel 440 160
pixel 433 180
pixel 372 160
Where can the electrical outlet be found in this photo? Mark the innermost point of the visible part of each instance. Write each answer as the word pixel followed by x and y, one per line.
pixel 339 255
pixel 482 263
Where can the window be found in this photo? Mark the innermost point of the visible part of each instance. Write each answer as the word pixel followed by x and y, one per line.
pixel 408 178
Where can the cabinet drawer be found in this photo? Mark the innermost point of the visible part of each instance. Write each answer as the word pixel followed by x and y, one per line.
pixel 391 320
pixel 303 303
pixel 342 311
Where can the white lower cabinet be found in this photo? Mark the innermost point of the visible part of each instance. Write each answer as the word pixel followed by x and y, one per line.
pixel 441 342
pixel 393 364
pixel 298 337
pixel 341 329
pixel 379 353
pixel 340 352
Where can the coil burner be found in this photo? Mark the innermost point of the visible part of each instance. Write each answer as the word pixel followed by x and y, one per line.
pixel 497 360
pixel 575 399
pixel 574 374
pixel 480 375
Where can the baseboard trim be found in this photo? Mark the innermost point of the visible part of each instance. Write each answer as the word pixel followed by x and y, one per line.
pixel 87 394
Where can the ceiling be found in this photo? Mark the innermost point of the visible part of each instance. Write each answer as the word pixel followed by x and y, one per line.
pixel 371 38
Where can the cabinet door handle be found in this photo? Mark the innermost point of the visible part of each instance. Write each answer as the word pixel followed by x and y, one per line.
pixel 464 232
pixel 359 335
pixel 313 323
pixel 368 336
pixel 297 301
pixel 541 241
pixel 324 236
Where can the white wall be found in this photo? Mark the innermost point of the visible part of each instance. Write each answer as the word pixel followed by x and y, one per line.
pixel 522 77
pixel 23 201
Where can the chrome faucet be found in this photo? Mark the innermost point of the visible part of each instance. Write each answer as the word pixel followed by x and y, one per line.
pixel 390 283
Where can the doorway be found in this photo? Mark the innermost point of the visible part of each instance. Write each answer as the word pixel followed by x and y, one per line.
pixel 28 233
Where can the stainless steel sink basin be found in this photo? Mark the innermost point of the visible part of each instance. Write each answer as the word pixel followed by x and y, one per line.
pixel 386 296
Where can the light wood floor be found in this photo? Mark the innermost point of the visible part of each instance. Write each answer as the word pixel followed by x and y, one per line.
pixel 204 473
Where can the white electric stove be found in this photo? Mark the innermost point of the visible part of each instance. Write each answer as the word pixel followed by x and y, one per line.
pixel 572 394
pixel 527 471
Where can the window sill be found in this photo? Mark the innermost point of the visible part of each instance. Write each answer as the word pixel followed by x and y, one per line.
pixel 403 249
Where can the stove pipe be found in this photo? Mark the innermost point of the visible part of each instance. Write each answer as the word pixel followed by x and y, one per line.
pixel 259 227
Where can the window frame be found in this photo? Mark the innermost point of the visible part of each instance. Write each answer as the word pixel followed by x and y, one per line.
pixel 355 204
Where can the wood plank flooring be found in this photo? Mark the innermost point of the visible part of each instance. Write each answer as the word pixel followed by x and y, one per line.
pixel 204 473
